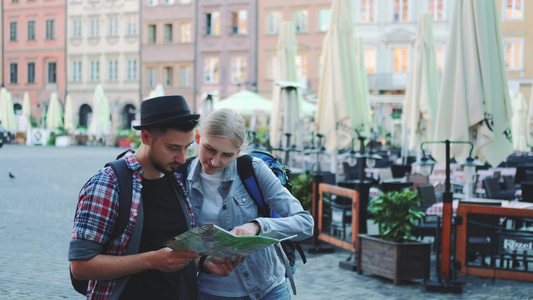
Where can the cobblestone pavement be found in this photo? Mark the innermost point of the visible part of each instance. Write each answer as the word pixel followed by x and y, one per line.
pixel 36 211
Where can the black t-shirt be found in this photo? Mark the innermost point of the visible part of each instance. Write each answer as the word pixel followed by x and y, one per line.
pixel 163 220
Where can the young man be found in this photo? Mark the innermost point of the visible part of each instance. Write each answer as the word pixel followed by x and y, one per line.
pixel 136 265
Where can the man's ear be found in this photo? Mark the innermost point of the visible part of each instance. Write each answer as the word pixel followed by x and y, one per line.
pixel 197 136
pixel 146 137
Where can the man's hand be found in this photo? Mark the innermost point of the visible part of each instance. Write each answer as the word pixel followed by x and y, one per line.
pixel 168 260
pixel 251 228
pixel 221 267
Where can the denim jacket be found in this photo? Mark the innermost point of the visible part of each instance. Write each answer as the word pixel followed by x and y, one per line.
pixel 263 270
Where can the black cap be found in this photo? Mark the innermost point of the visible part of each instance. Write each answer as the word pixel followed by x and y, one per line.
pixel 164 110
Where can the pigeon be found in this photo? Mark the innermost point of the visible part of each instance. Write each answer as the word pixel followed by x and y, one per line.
pixel 11 175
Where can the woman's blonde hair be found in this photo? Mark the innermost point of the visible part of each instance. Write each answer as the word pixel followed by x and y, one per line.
pixel 225 123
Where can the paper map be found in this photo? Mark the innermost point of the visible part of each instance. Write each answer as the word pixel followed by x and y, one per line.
pixel 212 240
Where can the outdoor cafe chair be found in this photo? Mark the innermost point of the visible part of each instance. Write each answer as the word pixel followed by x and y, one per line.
pixel 494 191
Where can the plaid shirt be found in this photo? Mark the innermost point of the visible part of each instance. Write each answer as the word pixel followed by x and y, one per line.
pixel 98 210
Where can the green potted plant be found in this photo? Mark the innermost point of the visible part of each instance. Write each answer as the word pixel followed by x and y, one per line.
pixel 394 254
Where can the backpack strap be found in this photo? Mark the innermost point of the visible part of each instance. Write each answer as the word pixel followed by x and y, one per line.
pixel 125 183
pixel 249 180
pixel 183 170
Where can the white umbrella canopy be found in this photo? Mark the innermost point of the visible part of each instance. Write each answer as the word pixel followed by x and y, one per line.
pixel 99 125
pixel 286 99
pixel 342 94
pixel 54 118
pixel 422 92
pixel 474 101
pixel 529 132
pixel 26 106
pixel 7 113
pixel 69 122
pixel 519 123
pixel 246 103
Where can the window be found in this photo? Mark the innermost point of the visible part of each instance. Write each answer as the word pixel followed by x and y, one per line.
pixel 95 71
pixel 13 31
pixel 401 10
pixel 439 57
pixel 238 69
pixel 94 28
pixel 300 21
pixel 400 59
pixel 113 70
pixel 52 72
pixel 131 72
pixel 76 71
pixel 13 73
pixel 211 70
pixel 113 24
pixel 168 2
pixel 436 7
pixel 513 10
pixel 31 73
pixel 185 76
pixel 324 20
pixel 167 76
pixel 368 11
pixel 239 20
pixel 301 69
pixel 151 34
pixel 151 76
pixel 273 21
pixel 31 30
pixel 76 32
pixel 213 24
pixel 132 26
pixel 168 33
pixel 185 1
pixel 152 2
pixel 50 29
pixel 185 32
pixel 271 67
pixel 513 54
pixel 370 60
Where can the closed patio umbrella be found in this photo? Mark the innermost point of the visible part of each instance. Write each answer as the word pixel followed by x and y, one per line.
pixel 7 113
pixel 422 93
pixel 529 122
pixel 26 106
pixel 69 123
pixel 343 102
pixel 286 97
pixel 54 114
pixel 519 123
pixel 99 125
pixel 474 101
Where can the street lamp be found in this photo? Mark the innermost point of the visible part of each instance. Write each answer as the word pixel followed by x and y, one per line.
pixel 446 280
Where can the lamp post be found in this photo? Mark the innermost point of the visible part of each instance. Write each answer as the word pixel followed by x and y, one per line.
pixel 446 275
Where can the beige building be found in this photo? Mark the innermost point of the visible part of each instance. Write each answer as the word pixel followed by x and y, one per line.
pixel 226 51
pixel 168 41
pixel 103 48
pixel 517 40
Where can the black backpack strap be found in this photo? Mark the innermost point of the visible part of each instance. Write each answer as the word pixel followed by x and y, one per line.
pixel 249 180
pixel 125 183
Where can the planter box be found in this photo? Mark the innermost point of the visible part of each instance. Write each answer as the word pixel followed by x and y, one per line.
pixel 125 143
pixel 62 141
pixel 396 261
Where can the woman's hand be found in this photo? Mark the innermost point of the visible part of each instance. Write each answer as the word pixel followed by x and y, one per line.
pixel 251 228
pixel 221 267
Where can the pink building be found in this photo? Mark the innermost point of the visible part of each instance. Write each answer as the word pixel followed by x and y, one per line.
pixel 34 51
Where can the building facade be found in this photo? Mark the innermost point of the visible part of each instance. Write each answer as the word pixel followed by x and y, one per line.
pixel 168 43
pixel 103 48
pixel 226 50
pixel 34 53
pixel 516 23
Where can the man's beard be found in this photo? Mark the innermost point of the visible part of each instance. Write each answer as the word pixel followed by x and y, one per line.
pixel 160 167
